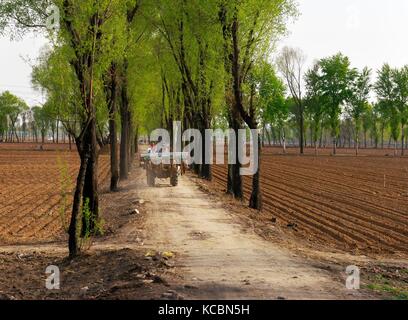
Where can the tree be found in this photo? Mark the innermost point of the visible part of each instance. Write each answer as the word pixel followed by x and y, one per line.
pixel 315 103
pixel 129 37
pixel 388 101
pixel 42 118
pixel 375 121
pixel 334 81
pixel 291 63
pixel 12 107
pixel 266 93
pixel 272 104
pixel 249 29
pixel 384 114
pixel 191 36
pixel 358 100
pixel 366 120
pixel 395 127
pixel 400 92
pixel 384 88
pixel 85 39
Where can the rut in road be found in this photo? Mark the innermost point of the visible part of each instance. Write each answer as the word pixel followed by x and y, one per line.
pixel 220 260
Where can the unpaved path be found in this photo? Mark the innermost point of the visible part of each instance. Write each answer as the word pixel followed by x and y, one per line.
pixel 218 259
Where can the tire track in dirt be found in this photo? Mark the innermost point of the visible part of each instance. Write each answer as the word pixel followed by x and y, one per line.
pixel 219 259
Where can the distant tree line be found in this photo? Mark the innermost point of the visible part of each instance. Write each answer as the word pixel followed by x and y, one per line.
pixel 21 123
pixel 329 105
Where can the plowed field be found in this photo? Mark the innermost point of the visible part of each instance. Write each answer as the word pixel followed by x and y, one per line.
pixel 346 202
pixel 31 187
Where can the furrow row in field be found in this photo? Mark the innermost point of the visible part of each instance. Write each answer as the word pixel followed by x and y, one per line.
pixel 351 187
pixel 294 200
pixel 369 206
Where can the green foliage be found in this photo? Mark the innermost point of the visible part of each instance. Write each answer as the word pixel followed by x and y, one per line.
pixel 383 284
pixel 88 220
pixel 392 91
pixel 316 101
pixel 272 105
pixel 54 77
pixel 17 17
pixel 400 92
pixel 359 94
pixel 334 81
pixel 86 234
pixel 11 108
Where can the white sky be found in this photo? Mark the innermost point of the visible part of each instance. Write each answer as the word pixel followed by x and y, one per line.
pixel 370 32
pixel 16 59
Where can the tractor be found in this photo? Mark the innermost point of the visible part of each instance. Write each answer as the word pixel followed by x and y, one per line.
pixel 163 166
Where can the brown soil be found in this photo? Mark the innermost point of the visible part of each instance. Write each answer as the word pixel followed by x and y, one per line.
pixel 31 188
pixel 357 204
pixel 107 274
pixel 192 241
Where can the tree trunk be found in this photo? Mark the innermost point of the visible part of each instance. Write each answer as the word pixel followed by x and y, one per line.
pixel 237 181
pixel 111 84
pixel 321 138
pixel 137 141
pixel 365 139
pixel 230 180
pixel 131 140
pixel 302 130
pixel 234 170
pixel 114 153
pixel 382 136
pixel 255 201
pixel 268 136
pixel 90 192
pixel 284 140
pixel 124 161
pixel 206 172
pixel 73 241
pixel 57 131
pixel 70 142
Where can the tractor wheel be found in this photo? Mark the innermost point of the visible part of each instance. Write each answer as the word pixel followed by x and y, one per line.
pixel 150 178
pixel 174 180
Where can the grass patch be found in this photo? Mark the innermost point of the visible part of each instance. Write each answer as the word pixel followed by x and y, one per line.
pixel 382 284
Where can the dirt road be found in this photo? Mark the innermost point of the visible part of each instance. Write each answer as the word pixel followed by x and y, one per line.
pixel 218 259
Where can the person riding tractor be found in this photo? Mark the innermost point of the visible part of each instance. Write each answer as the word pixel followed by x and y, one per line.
pixel 160 163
